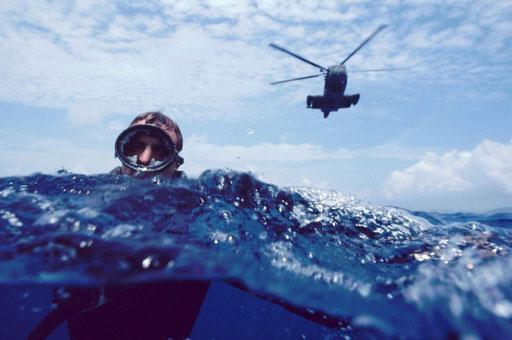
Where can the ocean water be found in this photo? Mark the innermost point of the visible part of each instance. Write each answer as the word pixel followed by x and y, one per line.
pixel 379 272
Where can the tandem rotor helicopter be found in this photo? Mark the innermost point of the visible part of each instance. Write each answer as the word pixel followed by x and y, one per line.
pixel 334 96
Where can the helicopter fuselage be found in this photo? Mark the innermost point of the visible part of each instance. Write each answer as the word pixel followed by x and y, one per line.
pixel 334 97
pixel 334 92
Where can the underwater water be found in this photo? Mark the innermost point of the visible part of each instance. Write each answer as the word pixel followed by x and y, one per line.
pixel 384 272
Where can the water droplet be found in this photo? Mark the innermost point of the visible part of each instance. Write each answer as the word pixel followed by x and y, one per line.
pixel 147 262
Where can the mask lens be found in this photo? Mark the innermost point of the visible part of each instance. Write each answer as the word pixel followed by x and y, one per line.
pixel 133 148
pixel 160 152
pixel 145 148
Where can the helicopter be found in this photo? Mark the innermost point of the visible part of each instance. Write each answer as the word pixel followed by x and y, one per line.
pixel 334 96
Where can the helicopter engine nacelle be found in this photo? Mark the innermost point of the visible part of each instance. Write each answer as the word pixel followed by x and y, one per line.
pixel 346 101
pixel 315 102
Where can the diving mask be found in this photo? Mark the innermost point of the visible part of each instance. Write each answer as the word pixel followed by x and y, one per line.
pixel 144 138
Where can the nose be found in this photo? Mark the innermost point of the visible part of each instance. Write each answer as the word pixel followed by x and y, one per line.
pixel 145 156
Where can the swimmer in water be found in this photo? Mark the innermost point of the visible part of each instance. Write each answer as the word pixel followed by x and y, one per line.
pixel 150 146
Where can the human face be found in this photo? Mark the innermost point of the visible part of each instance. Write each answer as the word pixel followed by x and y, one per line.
pixel 149 149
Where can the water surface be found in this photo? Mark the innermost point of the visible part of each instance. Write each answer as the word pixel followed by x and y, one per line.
pixel 385 271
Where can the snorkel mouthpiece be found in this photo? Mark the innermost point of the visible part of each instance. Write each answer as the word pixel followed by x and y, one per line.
pixel 133 141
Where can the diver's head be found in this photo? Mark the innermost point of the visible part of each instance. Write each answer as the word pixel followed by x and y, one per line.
pixel 150 146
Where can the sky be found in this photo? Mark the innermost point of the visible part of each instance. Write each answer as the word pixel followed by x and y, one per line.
pixel 435 137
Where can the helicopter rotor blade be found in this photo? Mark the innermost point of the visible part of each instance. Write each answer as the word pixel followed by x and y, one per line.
pixel 381 70
pixel 380 28
pixel 296 56
pixel 294 79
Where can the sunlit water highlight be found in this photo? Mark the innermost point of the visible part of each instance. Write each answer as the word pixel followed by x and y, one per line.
pixel 391 272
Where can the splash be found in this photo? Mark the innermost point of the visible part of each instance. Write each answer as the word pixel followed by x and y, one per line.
pixel 386 269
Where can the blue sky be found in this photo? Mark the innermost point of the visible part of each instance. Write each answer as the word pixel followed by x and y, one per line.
pixel 435 137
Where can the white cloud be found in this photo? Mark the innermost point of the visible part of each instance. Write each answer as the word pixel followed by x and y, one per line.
pixel 116 125
pixel 213 54
pixel 121 65
pixel 85 114
pixel 301 164
pixel 199 148
pixel 485 170
pixel 432 174
pixel 50 155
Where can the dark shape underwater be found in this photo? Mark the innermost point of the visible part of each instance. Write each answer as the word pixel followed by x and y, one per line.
pixel 386 272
